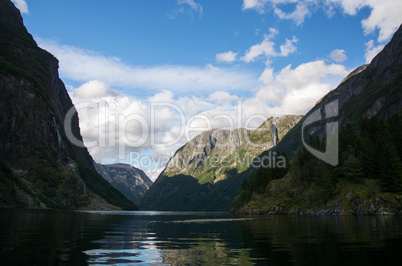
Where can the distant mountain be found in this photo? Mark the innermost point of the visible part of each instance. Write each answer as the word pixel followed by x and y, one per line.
pixel 39 166
pixel 368 176
pixel 130 181
pixel 204 173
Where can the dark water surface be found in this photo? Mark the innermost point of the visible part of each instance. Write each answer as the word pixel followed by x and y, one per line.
pixel 48 237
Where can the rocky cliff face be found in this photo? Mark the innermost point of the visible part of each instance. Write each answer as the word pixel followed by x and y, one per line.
pixel 130 181
pixel 195 157
pixel 209 155
pixel 204 173
pixel 47 170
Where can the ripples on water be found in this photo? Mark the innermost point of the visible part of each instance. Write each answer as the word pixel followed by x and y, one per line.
pixel 64 237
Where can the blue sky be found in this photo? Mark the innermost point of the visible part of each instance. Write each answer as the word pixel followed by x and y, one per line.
pixel 205 57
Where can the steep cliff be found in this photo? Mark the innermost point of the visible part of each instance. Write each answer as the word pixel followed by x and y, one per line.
pixel 41 167
pixel 130 181
pixel 370 90
pixel 205 173
pixel 367 175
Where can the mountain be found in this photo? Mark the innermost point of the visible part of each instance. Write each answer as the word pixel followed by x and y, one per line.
pixel 370 90
pixel 39 166
pixel 204 173
pixel 365 177
pixel 130 181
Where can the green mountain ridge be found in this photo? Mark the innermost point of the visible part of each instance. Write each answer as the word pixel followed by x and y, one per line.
pixel 39 166
pixel 205 173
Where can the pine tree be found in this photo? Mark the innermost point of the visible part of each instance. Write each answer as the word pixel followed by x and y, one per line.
pixel 391 170
pixel 352 169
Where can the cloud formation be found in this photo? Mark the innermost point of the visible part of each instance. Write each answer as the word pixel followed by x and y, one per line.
pixel 112 124
pixel 226 57
pixel 83 65
pixel 372 50
pixel 94 89
pixel 338 55
pixel 117 125
pixel 266 49
pixel 294 91
pixel 300 12
pixel 21 5
pixel 258 5
pixel 298 15
pixel 385 15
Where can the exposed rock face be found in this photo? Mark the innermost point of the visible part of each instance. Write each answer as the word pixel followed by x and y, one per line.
pixel 204 173
pixel 192 159
pixel 130 181
pixel 48 170
pixel 209 155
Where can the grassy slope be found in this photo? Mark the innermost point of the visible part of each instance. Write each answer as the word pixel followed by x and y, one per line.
pixel 212 188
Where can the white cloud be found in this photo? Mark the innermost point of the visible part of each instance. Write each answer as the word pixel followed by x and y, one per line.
pixel 226 57
pixel 171 124
pixel 114 125
pixel 222 96
pixel 255 4
pixel 385 15
pixel 83 65
pixel 372 50
pixel 300 12
pixel 289 91
pixel 298 15
pixel 94 89
pixel 266 48
pixel 294 91
pixel 288 47
pixel 21 5
pixel 338 55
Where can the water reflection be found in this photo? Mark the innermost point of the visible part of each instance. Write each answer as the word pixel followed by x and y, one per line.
pixel 173 238
pixel 63 237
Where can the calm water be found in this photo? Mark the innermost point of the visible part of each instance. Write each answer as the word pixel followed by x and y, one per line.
pixel 41 237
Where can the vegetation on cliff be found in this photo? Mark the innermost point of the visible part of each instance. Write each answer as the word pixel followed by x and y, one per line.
pixel 368 179
pixel 206 172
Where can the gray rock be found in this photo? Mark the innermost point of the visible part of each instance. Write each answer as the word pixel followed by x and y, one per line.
pixel 130 181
